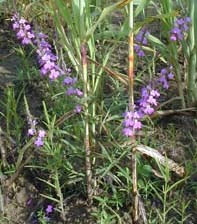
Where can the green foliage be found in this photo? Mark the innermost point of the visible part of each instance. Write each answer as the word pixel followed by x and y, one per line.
pixel 10 114
pixel 28 72
pixel 168 208
pixel 42 217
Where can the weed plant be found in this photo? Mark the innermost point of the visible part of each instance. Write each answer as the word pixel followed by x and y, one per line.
pixel 80 145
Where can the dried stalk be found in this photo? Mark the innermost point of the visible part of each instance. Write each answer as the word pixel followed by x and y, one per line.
pixel 3 150
pixel 122 78
pixel 135 212
pixel 173 166
pixel 87 129
pixel 171 112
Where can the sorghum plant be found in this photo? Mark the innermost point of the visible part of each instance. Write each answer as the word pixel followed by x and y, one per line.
pixel 145 105
pixel 80 46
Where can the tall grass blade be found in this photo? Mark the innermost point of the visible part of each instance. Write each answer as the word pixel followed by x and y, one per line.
pixel 192 64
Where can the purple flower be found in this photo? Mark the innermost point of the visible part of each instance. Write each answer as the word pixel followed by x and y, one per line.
pixel 166 75
pixel 69 81
pixel 49 209
pixel 176 34
pixel 128 122
pixel 23 29
pixel 25 41
pixel 163 71
pixel 31 131
pixel 154 93
pixel 170 75
pixel 181 26
pixel 131 123
pixel 54 74
pixel 140 53
pixel 141 39
pixel 32 123
pixel 146 104
pixel 49 65
pixel 39 142
pixel 77 109
pixel 71 91
pixel 148 110
pixel 137 124
pixel 148 100
pixel 152 101
pixel 128 114
pixel 128 132
pixel 79 93
pixel 68 71
pixel 132 119
pixel 41 133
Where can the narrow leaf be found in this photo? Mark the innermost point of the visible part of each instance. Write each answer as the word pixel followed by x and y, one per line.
pixel 104 13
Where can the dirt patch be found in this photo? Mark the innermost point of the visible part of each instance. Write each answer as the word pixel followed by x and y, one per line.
pixel 10 62
pixel 16 207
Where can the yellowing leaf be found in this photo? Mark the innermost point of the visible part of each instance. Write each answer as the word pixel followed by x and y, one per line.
pixel 123 3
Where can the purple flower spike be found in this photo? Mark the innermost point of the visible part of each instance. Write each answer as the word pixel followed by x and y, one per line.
pixel 181 26
pixel 166 75
pixel 146 104
pixel 141 39
pixel 148 100
pixel 23 29
pixel 131 123
pixel 48 61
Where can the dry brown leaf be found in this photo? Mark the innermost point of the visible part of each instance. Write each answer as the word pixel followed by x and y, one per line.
pixel 173 166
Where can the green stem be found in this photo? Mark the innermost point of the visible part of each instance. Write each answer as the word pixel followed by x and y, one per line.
pixel 59 194
pixel 175 64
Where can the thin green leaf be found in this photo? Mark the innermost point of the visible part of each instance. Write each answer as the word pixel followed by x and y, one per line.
pixel 104 13
pixel 50 198
pixel 141 5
